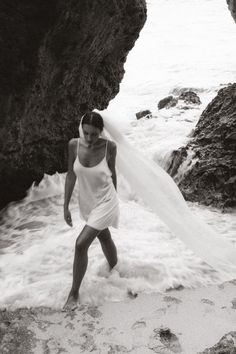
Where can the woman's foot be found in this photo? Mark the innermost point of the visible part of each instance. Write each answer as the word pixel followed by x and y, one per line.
pixel 71 303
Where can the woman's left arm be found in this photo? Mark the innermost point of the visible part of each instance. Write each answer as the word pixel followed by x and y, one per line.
pixel 112 161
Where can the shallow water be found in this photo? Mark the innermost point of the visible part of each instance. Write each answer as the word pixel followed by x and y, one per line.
pixel 36 264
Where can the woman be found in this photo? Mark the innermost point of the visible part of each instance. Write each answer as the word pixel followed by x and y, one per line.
pixel 92 160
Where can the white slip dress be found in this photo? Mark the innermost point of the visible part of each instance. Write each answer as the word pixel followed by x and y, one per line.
pixel 98 201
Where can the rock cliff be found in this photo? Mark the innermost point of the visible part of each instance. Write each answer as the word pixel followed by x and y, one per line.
pixel 211 179
pixel 211 176
pixel 58 60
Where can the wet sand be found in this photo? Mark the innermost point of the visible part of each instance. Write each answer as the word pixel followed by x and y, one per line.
pixel 179 321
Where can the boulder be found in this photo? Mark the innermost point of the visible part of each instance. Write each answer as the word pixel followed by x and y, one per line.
pixel 212 178
pixel 167 102
pixel 58 59
pixel 190 97
pixel 142 114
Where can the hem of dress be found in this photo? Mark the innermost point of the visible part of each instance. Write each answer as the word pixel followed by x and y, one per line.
pixel 99 229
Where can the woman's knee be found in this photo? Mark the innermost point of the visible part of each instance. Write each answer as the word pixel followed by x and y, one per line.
pixel 81 246
pixel 85 239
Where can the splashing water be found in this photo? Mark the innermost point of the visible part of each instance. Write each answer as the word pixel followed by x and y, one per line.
pixel 37 252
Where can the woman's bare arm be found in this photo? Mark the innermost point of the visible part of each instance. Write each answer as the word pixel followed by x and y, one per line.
pixel 112 161
pixel 70 180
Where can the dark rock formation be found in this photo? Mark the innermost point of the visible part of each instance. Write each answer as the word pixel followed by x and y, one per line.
pixel 177 158
pixel 190 97
pixel 170 340
pixel 212 179
pixel 225 346
pixel 167 102
pixel 232 8
pixel 59 59
pixel 187 96
pixel 146 113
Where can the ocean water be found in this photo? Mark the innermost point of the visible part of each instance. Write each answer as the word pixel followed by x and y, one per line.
pixel 184 44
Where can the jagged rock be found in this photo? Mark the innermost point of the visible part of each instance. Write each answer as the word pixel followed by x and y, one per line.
pixel 167 102
pixel 58 59
pixel 190 97
pixel 164 341
pixel 170 340
pixel 225 346
pixel 176 159
pixel 212 179
pixel 141 114
pixel 232 8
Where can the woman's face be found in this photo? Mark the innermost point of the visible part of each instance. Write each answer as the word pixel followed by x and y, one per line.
pixel 91 134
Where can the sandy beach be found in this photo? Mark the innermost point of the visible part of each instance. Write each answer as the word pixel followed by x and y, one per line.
pixel 185 321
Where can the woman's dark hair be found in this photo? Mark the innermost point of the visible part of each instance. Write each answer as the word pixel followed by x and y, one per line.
pixel 94 119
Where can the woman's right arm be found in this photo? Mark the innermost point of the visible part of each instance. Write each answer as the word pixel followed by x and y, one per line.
pixel 70 180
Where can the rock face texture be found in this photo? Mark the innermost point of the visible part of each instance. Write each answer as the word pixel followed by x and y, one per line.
pixel 58 60
pixel 146 113
pixel 190 97
pixel 186 97
pixel 212 177
pixel 232 8
pixel 167 102
pixel 225 346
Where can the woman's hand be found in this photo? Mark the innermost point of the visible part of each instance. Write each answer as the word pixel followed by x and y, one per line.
pixel 67 217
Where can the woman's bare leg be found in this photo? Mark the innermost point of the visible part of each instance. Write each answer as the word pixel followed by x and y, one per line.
pixel 86 237
pixel 108 247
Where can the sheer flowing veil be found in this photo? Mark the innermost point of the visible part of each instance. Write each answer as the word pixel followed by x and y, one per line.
pixel 158 190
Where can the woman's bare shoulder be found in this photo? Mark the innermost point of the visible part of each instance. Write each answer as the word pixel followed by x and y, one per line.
pixel 111 145
pixel 73 142
pixel 72 146
pixel 111 148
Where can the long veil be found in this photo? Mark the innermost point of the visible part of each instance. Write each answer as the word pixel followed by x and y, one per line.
pixel 158 190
